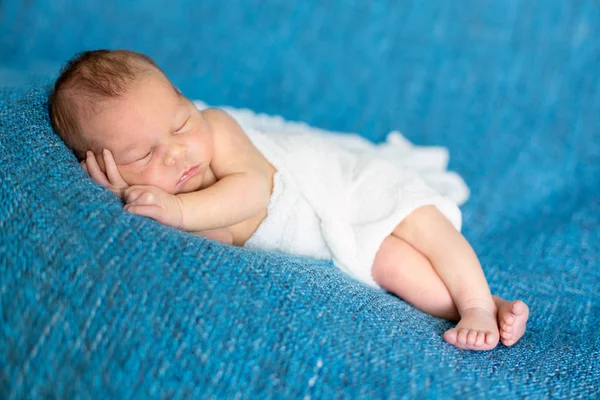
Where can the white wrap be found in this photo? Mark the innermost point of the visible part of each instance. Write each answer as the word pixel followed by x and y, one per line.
pixel 339 196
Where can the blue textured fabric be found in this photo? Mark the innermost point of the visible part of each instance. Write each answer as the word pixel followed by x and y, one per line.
pixel 97 303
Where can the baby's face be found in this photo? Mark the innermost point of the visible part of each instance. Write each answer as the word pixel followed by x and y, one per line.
pixel 157 136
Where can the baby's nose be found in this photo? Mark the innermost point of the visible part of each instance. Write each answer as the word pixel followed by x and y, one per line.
pixel 174 152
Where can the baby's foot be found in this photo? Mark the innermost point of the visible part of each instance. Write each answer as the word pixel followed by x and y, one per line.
pixel 476 330
pixel 512 320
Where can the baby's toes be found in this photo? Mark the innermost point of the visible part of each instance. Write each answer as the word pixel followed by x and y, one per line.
pixel 492 338
pixel 518 307
pixel 471 337
pixel 480 340
pixel 451 336
pixel 462 336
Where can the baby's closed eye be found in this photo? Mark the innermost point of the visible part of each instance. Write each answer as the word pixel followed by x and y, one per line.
pixel 180 129
pixel 142 158
pixel 146 156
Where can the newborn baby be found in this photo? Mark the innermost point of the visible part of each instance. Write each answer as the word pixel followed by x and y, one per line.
pixel 198 171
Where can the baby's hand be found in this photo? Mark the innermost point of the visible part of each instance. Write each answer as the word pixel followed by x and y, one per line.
pixel 153 202
pixel 222 235
pixel 112 179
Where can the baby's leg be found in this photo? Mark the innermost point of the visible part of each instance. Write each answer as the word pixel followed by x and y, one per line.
pixel 222 235
pixel 430 232
pixel 405 271
pixel 453 259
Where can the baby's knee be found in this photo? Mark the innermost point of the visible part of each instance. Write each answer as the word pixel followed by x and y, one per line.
pixel 391 253
pixel 417 223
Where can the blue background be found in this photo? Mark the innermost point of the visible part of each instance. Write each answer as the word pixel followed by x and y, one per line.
pixel 89 306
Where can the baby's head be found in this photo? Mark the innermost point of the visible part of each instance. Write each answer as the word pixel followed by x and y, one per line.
pixel 122 101
pixel 86 82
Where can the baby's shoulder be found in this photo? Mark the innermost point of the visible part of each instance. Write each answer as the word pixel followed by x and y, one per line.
pixel 233 150
pixel 226 132
pixel 218 119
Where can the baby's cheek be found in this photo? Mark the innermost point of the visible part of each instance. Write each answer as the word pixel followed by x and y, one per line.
pixel 132 177
pixel 158 178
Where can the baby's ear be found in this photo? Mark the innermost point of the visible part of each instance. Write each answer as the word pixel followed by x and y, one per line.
pixel 84 166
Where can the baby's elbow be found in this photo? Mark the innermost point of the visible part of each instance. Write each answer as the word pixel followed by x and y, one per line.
pixel 261 191
pixel 266 189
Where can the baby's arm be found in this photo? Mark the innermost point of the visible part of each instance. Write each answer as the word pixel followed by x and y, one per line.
pixel 108 176
pixel 222 235
pixel 242 189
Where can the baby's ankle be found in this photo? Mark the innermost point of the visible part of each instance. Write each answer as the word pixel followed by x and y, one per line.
pixel 481 303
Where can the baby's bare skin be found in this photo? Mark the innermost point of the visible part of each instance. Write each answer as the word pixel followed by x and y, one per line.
pixel 189 169
pixel 147 141
pixel 478 328
pixel 428 263
pixel 512 320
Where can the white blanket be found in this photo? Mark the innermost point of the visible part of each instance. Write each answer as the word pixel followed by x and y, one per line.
pixel 359 190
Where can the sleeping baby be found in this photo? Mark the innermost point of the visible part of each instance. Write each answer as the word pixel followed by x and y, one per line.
pixel 199 171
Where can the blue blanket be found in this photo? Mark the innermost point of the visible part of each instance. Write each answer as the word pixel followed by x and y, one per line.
pixel 98 303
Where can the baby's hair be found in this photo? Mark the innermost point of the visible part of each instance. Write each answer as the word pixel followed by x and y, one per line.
pixel 86 80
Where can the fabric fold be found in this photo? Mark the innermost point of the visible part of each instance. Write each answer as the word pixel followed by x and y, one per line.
pixel 339 196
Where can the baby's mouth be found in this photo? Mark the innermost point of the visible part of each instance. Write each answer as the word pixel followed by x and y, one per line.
pixel 188 174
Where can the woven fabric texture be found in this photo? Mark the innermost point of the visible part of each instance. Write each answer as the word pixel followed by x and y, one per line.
pixel 98 303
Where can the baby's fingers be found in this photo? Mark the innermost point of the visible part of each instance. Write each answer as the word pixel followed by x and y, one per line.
pixel 140 195
pixel 94 170
pixel 150 211
pixel 112 172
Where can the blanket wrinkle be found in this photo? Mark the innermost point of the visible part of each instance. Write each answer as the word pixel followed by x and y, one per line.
pixel 430 162
pixel 358 190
